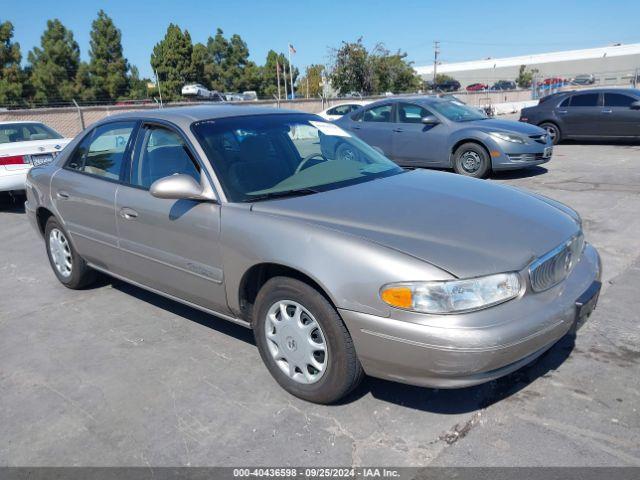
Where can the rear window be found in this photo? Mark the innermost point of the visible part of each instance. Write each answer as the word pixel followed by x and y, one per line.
pixel 26 132
pixel 617 100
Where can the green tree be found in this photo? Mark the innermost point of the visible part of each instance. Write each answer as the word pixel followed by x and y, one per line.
pixel 11 75
pixel 227 66
pixel 199 60
pixel 311 84
pixel 55 64
pixel 172 59
pixel 268 85
pixel 443 77
pixel 137 86
pixel 525 76
pixel 108 67
pixel 393 73
pixel 352 69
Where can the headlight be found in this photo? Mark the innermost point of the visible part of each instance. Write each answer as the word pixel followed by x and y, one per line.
pixel 508 137
pixel 452 296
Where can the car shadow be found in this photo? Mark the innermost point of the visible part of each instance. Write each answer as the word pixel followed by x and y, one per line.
pixel 441 401
pixel 470 399
pixel 618 143
pixel 12 203
pixel 521 173
pixel 198 316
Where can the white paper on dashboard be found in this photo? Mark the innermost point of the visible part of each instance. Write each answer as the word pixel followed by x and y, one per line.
pixel 330 129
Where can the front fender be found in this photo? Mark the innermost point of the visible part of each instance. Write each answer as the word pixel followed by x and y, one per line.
pixel 350 269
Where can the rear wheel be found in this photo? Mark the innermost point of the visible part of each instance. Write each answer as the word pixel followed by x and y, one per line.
pixel 472 160
pixel 553 131
pixel 69 267
pixel 303 341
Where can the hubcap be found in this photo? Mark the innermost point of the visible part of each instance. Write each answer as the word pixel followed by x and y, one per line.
pixel 551 131
pixel 60 252
pixel 348 155
pixel 470 161
pixel 296 341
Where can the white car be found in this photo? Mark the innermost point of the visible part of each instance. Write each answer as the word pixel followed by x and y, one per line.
pixel 337 111
pixel 196 90
pixel 22 146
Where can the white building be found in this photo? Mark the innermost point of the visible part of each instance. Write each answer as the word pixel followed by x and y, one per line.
pixel 614 64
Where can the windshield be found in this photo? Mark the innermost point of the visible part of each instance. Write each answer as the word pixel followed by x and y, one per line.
pixel 457 112
pixel 26 132
pixel 262 156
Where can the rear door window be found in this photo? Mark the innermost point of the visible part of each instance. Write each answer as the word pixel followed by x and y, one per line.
pixel 102 152
pixel 585 100
pixel 381 113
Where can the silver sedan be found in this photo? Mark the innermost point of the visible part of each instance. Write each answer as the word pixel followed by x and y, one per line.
pixel 341 266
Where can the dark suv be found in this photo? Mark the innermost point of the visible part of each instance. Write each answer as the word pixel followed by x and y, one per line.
pixel 612 113
pixel 448 86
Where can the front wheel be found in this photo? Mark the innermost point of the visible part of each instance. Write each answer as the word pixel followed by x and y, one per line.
pixel 553 131
pixel 303 341
pixel 472 160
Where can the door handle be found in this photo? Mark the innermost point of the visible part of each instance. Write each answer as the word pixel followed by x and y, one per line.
pixel 563 111
pixel 62 195
pixel 128 213
pixel 607 111
pixel 398 130
pixel 355 128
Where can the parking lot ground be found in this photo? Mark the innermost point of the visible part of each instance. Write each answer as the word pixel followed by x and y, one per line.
pixel 114 375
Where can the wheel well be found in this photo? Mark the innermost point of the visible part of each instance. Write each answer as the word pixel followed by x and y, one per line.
pixel 254 278
pixel 42 215
pixel 468 140
pixel 552 122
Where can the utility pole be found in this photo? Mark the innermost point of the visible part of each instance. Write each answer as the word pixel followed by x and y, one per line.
pixel 436 52
pixel 278 76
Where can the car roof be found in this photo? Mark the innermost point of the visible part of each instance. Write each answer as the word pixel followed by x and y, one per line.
pixel 13 122
pixel 423 99
pixel 185 116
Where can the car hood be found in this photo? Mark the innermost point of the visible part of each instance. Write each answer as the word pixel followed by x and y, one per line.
pixel 465 226
pixel 493 124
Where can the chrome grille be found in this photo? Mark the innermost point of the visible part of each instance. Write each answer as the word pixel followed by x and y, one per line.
pixel 553 267
pixel 526 157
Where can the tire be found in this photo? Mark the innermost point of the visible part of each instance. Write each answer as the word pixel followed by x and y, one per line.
pixel 472 160
pixel 553 130
pixel 341 371
pixel 347 152
pixel 60 250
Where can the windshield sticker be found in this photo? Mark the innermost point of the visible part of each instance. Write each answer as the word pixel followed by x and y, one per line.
pixel 330 129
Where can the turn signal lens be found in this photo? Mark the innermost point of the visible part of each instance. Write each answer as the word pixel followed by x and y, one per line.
pixel 400 297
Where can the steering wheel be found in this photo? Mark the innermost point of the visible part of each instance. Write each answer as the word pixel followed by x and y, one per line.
pixel 310 157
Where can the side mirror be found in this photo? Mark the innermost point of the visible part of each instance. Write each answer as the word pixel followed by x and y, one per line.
pixel 430 120
pixel 635 105
pixel 179 186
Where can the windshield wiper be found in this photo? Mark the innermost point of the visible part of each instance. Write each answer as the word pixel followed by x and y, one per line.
pixel 281 194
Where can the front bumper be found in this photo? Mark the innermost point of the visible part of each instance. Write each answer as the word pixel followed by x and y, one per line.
pixel 453 351
pixel 510 156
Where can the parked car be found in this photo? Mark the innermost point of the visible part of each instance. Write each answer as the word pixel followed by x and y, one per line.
pixel 504 85
pixel 250 96
pixel 584 79
pixel 477 87
pixel 199 91
pixel 320 256
pixel 612 113
pixel 337 111
pixel 22 146
pixel 435 132
pixel 448 86
pixel 195 90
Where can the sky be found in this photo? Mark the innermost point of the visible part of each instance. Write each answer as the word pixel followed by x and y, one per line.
pixel 468 30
